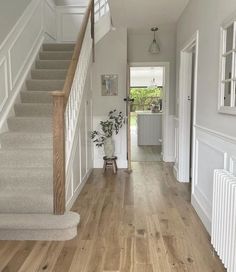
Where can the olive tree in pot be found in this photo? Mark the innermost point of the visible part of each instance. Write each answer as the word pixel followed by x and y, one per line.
pixel 103 136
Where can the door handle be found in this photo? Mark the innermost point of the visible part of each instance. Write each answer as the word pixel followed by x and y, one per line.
pixel 129 100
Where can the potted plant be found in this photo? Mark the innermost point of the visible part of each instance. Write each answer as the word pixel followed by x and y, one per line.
pixel 103 136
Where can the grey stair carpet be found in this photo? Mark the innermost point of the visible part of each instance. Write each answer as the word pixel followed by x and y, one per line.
pixel 26 157
pixel 38 226
pixel 52 64
pixel 48 74
pixel 17 140
pixel 35 97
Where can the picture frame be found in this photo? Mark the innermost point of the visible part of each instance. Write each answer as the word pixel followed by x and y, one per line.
pixel 109 85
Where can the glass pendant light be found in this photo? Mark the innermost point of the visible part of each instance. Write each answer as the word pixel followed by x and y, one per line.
pixel 154 47
pixel 153 84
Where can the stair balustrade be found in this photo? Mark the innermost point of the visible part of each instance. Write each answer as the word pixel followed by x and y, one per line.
pixel 66 107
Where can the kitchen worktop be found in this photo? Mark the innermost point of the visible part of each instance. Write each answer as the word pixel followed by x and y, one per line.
pixel 148 113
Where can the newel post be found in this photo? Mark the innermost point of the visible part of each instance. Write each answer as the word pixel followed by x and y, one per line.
pixel 58 153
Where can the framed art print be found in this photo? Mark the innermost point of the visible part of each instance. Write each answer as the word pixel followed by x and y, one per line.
pixel 109 85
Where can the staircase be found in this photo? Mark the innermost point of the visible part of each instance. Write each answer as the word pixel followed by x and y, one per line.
pixel 26 155
pixel 38 149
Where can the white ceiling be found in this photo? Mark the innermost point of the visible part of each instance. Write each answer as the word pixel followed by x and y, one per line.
pixel 143 14
pixel 143 76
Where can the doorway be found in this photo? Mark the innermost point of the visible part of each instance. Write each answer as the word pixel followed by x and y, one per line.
pixel 147 111
pixel 187 109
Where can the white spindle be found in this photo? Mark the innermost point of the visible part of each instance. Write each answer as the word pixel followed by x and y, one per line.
pixel 78 88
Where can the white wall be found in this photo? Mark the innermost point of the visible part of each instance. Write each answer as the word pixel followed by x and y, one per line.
pixel 215 133
pixel 23 29
pixel 50 21
pixel 69 20
pixel 201 15
pixel 110 58
pixel 18 51
pixel 138 45
pixel 10 12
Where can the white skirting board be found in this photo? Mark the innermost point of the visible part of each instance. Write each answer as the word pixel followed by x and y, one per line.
pixel 206 220
pixel 78 191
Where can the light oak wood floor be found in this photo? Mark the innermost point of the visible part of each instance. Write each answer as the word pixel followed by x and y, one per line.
pixel 143 153
pixel 141 222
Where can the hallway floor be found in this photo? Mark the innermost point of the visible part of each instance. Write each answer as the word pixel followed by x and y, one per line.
pixel 143 153
pixel 141 222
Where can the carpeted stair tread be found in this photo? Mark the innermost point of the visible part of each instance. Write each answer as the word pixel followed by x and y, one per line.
pixel 36 97
pixel 48 74
pixel 32 173
pixel 30 124
pixel 27 202
pixel 44 85
pixel 58 47
pixel 26 155
pixel 52 64
pixel 33 109
pixel 21 188
pixel 55 55
pixel 38 226
pixel 26 177
pixel 24 140
pixel 26 158
pixel 21 180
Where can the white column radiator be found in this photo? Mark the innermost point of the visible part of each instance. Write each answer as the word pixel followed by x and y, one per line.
pixel 223 236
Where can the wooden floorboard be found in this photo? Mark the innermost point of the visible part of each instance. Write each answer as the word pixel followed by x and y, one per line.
pixel 142 222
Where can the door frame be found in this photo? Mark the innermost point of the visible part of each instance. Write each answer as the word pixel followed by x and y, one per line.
pixel 184 125
pixel 165 105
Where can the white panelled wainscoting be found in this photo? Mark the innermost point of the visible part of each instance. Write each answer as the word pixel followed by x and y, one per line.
pixel 19 50
pixel 68 20
pixel 69 17
pixel 169 152
pixel 213 150
pixel 176 146
pixel 41 22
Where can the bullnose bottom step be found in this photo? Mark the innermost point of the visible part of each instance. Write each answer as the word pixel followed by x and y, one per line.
pixel 44 227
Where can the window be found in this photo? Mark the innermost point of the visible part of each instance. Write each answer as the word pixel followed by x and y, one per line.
pixel 227 99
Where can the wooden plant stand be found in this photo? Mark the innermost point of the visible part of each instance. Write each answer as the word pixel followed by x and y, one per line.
pixel 110 163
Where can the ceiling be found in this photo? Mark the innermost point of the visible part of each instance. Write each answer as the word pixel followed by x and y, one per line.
pixel 143 14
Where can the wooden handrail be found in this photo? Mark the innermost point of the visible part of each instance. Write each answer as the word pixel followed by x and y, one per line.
pixel 77 50
pixel 60 99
